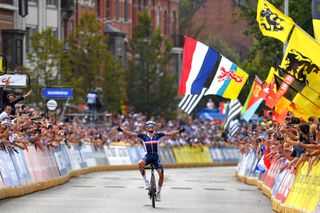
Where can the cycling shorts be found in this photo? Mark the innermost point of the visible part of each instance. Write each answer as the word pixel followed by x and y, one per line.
pixel 153 158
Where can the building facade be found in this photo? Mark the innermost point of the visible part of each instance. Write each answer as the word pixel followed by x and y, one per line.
pixel 217 18
pixel 118 17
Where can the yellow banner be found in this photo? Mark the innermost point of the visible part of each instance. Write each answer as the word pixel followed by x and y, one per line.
pixel 272 22
pixel 195 154
pixel 316 29
pixel 305 191
pixel 302 60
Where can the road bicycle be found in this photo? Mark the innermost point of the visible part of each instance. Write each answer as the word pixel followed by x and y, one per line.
pixel 152 192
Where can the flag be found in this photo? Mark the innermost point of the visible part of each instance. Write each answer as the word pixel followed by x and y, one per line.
pixel 233 112
pixel 253 101
pixel 302 61
pixel 302 58
pixel 189 102
pixel 198 62
pixel 223 107
pixel 316 18
pixel 228 80
pixel 270 86
pixel 234 127
pixel 272 22
pixel 302 99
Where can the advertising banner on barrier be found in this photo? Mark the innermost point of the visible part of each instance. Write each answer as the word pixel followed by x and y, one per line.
pixel 87 154
pixel 195 154
pixel 100 156
pixel 305 191
pixel 166 155
pixel 75 157
pixel 48 164
pixel 62 159
pixel 32 163
pixel 80 158
pixel 21 167
pixel 1 183
pixel 8 172
pixel 117 155
pixel 216 154
pixel 134 154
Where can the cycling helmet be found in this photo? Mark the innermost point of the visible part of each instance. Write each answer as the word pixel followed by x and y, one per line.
pixel 150 124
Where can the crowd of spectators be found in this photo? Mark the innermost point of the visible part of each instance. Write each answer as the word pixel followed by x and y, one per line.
pixel 21 126
pixel 294 142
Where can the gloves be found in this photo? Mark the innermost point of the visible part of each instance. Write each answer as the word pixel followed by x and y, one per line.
pixel 119 129
pixel 182 130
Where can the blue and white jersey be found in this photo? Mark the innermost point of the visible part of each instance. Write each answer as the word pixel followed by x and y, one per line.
pixel 151 145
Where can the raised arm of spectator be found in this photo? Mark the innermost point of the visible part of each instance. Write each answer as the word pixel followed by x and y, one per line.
pixel 309 146
pixel 28 94
pixel 127 132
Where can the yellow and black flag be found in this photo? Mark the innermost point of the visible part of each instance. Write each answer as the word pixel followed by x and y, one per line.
pixel 316 18
pixel 302 58
pixel 273 22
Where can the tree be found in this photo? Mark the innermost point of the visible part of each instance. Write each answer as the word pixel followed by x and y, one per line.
pixel 44 60
pixel 150 86
pixel 90 65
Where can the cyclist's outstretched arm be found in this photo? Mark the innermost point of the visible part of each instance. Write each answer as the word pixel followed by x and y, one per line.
pixel 175 132
pixel 127 132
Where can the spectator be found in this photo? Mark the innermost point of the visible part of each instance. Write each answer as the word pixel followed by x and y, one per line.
pixel 12 100
pixel 6 113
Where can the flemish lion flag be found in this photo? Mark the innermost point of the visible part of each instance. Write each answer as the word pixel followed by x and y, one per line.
pixel 272 22
pixel 316 18
pixel 302 60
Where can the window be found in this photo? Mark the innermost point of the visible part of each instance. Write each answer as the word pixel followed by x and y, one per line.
pixel 13 47
pixel 165 23
pixel 108 9
pixel 98 8
pixel 117 9
pixel 174 23
pixel 145 3
pixel 125 4
pixel 30 32
pixel 158 17
pixel 34 1
pixel 139 5
pixel 52 2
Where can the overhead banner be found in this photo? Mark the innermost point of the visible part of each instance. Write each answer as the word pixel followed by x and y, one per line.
pixel 19 80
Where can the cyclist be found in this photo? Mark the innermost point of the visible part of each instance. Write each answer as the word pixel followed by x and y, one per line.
pixel 151 145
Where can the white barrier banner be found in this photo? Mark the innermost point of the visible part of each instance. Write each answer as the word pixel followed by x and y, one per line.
pixel 117 155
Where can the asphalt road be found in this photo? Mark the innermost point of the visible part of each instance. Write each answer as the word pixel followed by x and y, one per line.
pixel 197 190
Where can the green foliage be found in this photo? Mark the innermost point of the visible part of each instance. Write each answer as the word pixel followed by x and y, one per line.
pixel 44 61
pixel 89 65
pixel 151 88
pixel 221 46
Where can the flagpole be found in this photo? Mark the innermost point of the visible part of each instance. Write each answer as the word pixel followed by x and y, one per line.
pixel 286 12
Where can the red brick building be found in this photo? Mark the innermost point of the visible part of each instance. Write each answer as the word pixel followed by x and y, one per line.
pixel 215 18
pixel 120 17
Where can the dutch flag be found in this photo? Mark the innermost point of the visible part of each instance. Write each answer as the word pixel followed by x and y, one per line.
pixel 199 61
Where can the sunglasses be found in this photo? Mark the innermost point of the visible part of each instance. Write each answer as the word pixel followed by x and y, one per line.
pixel 150 126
